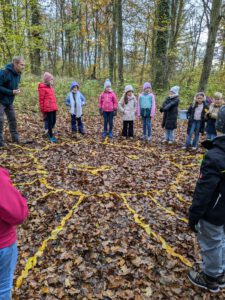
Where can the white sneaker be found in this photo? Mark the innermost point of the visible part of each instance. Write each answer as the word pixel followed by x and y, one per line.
pixel 194 148
pixel 184 148
pixel 170 142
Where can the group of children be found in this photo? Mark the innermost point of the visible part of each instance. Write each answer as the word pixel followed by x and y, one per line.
pixel 198 114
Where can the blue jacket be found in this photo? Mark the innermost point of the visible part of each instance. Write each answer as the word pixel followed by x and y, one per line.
pixel 9 81
pixel 83 100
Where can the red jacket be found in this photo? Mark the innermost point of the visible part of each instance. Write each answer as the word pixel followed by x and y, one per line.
pixel 13 210
pixel 47 100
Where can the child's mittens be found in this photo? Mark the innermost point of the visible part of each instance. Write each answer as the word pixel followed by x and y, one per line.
pixel 100 111
pixel 115 112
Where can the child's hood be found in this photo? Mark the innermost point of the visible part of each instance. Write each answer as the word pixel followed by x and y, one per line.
pixel 42 85
pixel 108 92
pixel 129 98
pixel 73 84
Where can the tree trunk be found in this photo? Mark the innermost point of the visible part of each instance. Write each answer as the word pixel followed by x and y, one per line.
pixel 213 28
pixel 176 15
pixel 161 44
pixel 35 52
pixel 120 41
pixel 114 29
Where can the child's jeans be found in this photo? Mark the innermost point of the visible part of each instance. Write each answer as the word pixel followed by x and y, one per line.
pixel 195 127
pixel 46 123
pixel 8 259
pixel 211 239
pixel 146 122
pixel 169 135
pixel 128 128
pixel 108 119
pixel 76 121
pixel 210 136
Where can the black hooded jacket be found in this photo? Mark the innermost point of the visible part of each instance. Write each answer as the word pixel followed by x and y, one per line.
pixel 170 109
pixel 9 81
pixel 209 196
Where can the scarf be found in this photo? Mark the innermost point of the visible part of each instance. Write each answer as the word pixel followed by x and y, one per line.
pixel 75 104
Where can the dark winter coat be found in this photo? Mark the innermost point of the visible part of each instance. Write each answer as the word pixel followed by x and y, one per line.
pixel 190 116
pixel 170 109
pixel 209 196
pixel 9 81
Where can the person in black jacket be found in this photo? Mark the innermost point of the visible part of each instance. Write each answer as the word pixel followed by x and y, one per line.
pixel 9 88
pixel 207 212
pixel 170 110
pixel 196 120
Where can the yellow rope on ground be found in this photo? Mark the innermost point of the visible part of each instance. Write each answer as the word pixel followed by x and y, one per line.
pixel 32 261
pixel 150 232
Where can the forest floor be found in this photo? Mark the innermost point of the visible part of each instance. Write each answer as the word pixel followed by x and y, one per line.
pixel 108 219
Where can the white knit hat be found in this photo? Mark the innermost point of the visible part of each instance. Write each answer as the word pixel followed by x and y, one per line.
pixel 218 95
pixel 107 83
pixel 128 88
pixel 175 89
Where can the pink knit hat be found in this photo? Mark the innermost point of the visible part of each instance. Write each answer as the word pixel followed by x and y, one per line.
pixel 47 77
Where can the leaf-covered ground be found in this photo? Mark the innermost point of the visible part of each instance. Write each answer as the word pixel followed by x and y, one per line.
pixel 108 220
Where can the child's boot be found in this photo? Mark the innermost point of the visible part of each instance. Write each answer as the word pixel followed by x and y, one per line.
pixel 110 135
pixel 104 134
pixel 221 281
pixel 53 139
pixel 204 281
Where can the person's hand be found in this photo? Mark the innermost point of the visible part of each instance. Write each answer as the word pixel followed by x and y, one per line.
pixel 192 226
pixel 161 110
pixel 100 111
pixel 16 92
pixel 44 116
pixel 115 113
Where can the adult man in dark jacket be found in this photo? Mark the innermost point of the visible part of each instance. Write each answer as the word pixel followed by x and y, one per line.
pixel 207 212
pixel 9 88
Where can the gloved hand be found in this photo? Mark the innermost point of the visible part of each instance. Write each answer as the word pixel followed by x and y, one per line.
pixel 115 113
pixel 161 110
pixel 100 111
pixel 192 226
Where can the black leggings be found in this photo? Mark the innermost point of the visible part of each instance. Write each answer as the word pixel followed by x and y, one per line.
pixel 51 117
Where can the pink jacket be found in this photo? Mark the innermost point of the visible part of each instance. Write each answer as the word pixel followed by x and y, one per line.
pixel 153 109
pixel 108 101
pixel 13 210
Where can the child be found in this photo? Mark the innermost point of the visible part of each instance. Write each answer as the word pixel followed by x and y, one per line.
pixel 170 110
pixel 146 108
pixel 196 120
pixel 127 105
pixel 207 212
pixel 13 211
pixel 108 108
pixel 75 99
pixel 47 102
pixel 211 116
